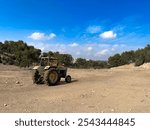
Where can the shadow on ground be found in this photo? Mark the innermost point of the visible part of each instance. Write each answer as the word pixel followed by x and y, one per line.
pixel 63 82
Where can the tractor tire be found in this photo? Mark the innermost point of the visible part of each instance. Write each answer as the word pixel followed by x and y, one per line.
pixel 51 77
pixel 36 77
pixel 68 79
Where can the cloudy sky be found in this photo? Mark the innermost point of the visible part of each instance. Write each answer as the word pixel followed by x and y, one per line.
pixel 91 29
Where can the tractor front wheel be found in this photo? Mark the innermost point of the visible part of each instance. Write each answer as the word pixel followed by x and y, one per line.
pixel 68 79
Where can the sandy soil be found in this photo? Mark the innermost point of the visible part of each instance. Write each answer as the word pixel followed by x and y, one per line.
pixel 122 89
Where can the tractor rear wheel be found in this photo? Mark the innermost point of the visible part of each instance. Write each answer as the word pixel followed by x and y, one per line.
pixel 36 77
pixel 51 77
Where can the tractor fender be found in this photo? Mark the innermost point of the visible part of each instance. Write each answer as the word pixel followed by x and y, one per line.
pixel 35 67
pixel 47 67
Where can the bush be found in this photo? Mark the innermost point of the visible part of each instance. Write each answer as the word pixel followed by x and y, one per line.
pixel 139 62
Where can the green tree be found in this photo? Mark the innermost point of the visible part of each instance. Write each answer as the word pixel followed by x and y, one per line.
pixel 127 57
pixel 115 60
pixel 81 63
pixel 66 59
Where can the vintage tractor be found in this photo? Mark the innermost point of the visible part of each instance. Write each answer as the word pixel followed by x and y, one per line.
pixel 50 72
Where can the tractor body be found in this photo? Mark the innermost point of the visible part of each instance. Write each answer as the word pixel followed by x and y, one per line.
pixel 50 72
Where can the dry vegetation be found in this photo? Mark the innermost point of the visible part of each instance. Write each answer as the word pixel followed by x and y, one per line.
pixel 122 89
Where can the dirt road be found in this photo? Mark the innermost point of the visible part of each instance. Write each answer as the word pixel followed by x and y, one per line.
pixel 122 89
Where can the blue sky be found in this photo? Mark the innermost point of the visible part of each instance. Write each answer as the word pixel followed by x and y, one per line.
pixel 91 29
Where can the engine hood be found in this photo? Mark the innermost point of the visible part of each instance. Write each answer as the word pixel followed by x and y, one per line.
pixel 36 67
pixel 47 67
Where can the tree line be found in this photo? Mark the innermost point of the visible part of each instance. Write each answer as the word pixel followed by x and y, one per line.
pixel 20 54
pixel 138 57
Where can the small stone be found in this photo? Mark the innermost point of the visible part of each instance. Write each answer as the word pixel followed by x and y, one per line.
pixel 6 82
pixel 93 91
pixel 82 95
pixel 5 105
pixel 112 110
pixel 17 82
pixel 130 110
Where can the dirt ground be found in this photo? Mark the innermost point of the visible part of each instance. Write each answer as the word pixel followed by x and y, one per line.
pixel 122 89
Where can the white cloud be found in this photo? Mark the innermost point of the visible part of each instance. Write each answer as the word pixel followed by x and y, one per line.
pixel 95 51
pixel 41 36
pixel 108 35
pixel 74 44
pixel 36 36
pixel 89 48
pixel 78 53
pixel 103 52
pixel 50 36
pixel 93 29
